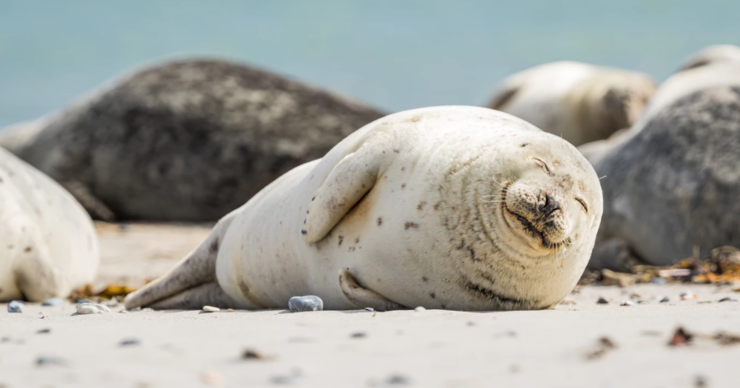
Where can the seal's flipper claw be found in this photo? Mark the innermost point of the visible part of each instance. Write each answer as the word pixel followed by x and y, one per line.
pixel 362 297
pixel 197 268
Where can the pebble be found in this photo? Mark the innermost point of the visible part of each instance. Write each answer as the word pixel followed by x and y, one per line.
pixel 727 299
pixel 53 302
pixel 130 342
pixel 305 303
pixel 369 309
pixel 627 303
pixel 91 308
pixel 50 360
pixel 250 354
pixel 83 300
pixel 147 309
pixel 658 281
pixel 397 380
pixel 665 300
pixel 16 306
pixel 44 331
pixel 420 309
pixel 688 295
pixel 602 301
pixel 359 334
pixel 211 309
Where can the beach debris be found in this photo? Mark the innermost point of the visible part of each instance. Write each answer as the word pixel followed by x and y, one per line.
pixel 53 302
pixel 50 360
pixel 604 345
pixel 305 303
pixel 91 308
pixel 83 300
pixel 397 380
pixel 250 354
pixel 726 339
pixel 16 306
pixel 700 381
pixel 658 281
pixel 627 303
pixel 727 299
pixel 420 309
pixel 358 334
pixel 369 309
pixel 681 337
pixel 688 295
pixel 665 300
pixel 45 330
pixel 113 290
pixel 567 302
pixel 211 309
pixel 602 301
pixel 210 377
pixel 230 310
pixel 131 341
pixel 610 278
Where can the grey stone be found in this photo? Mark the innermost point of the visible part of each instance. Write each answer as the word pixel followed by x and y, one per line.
pixel 130 342
pixel 188 140
pixel 305 303
pixel 16 306
pixel 53 302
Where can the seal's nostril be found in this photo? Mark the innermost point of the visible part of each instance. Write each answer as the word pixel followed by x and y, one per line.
pixel 550 206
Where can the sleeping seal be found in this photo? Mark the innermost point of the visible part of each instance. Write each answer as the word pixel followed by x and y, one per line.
pixel 673 181
pixel 577 101
pixel 446 207
pixel 188 140
pixel 48 245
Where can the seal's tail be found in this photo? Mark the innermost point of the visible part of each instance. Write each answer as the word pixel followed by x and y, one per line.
pixel 196 269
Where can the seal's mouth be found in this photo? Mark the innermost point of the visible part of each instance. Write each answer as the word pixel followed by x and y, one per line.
pixel 530 228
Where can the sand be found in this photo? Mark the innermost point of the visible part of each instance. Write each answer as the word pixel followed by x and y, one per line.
pixel 434 348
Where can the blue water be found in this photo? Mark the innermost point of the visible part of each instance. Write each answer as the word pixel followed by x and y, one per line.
pixel 392 54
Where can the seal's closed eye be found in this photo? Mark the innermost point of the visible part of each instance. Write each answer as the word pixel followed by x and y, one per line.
pixel 544 166
pixel 583 204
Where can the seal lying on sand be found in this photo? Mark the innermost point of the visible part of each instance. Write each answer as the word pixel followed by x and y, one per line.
pixel 186 140
pixel 447 207
pixel 577 101
pixel 48 245
pixel 673 182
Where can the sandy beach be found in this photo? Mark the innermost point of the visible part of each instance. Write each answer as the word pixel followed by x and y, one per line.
pixel 579 343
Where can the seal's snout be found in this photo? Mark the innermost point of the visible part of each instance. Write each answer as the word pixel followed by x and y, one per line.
pixel 538 214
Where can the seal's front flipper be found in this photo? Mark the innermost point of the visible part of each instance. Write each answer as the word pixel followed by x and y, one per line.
pixel 197 268
pixel 345 185
pixel 362 297
pixel 95 207
pixel 208 294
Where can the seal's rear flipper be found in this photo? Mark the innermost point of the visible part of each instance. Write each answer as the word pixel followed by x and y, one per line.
pixel 197 268
pixel 208 294
pixel 362 297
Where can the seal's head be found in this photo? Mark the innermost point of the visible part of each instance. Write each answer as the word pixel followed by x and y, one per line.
pixel 610 100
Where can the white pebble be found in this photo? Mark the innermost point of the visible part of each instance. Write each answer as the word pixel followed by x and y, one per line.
pixel 211 309
pixel 627 303
pixel 91 308
pixel 420 309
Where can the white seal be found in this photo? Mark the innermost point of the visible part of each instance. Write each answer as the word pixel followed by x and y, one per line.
pixel 48 244
pixel 578 101
pixel 445 207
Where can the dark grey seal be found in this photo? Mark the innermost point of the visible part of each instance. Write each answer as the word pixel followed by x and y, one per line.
pixel 672 185
pixel 188 140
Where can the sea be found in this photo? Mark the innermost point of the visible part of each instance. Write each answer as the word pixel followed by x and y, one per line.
pixel 393 55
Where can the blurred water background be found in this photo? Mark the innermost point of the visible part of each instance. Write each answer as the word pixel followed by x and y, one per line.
pixel 394 55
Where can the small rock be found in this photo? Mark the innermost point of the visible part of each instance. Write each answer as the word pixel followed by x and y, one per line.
pixel 680 337
pixel 147 309
pixel 44 331
pixel 91 308
pixel 665 300
pixel 658 281
pixel 130 342
pixel 627 303
pixel 369 309
pixel 602 301
pixel 727 299
pixel 83 300
pixel 359 334
pixel 688 295
pixel 420 309
pixel 53 302
pixel 211 309
pixel 700 382
pixel 230 310
pixel 250 354
pixel 124 311
pixel 16 306
pixel 50 360
pixel 397 380
pixel 305 303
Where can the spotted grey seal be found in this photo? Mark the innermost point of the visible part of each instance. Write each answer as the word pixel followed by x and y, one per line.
pixel 672 182
pixel 445 207
pixel 184 140
pixel 48 245
pixel 577 101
